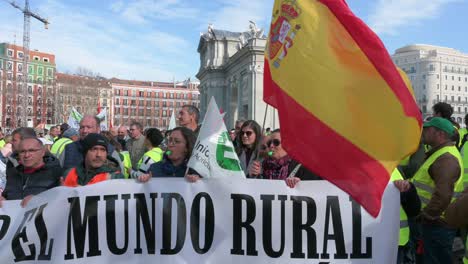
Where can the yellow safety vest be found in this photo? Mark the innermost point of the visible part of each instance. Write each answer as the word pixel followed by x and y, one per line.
pixel 155 154
pixel 424 183
pixel 462 132
pixel 126 161
pixel 2 143
pixel 404 227
pixel 464 154
pixel 59 145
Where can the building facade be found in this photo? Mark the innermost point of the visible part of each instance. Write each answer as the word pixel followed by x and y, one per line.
pixel 150 103
pixel 82 92
pixel 437 74
pixel 40 106
pixel 231 71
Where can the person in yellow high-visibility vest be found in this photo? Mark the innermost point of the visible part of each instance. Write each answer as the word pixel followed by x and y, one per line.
pixel 2 140
pixel 153 139
pixel 438 181
pixel 410 207
pixel 463 132
pixel 69 136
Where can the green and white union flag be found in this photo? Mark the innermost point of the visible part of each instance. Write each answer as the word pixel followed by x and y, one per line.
pixel 213 155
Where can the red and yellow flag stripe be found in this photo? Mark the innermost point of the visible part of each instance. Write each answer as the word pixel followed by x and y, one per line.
pixel 345 110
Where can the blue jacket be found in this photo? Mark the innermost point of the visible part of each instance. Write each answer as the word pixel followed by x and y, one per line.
pixel 165 168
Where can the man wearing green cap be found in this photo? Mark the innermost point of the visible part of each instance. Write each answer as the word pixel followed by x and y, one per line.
pixel 438 181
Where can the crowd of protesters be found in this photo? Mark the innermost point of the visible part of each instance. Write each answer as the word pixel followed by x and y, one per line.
pixel 434 208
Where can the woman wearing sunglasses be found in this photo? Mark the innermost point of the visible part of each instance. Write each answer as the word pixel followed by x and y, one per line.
pixel 279 166
pixel 250 136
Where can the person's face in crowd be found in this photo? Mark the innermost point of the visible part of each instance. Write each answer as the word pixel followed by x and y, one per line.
pixel 248 136
pixel 88 125
pixel 95 157
pixel 135 132
pixel 263 147
pixel 232 135
pixel 15 141
pixel 114 132
pixel 54 132
pixel 122 132
pixel 238 127
pixel 274 145
pixel 185 118
pixel 31 153
pixel 177 145
pixel 432 136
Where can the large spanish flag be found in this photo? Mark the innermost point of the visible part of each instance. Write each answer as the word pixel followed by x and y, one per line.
pixel 345 110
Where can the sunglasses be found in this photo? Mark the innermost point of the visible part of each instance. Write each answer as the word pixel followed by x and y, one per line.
pixel 248 133
pixel 275 142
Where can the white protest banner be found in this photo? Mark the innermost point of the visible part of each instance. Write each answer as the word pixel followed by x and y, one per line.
pixel 172 121
pixel 74 118
pixel 214 154
pixel 211 221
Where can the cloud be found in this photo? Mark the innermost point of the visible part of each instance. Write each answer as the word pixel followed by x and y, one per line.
pixel 390 15
pixel 144 11
pixel 83 37
pixel 235 15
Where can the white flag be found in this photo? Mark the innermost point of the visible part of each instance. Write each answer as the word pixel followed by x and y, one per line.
pixel 103 117
pixel 172 122
pixel 74 118
pixel 213 154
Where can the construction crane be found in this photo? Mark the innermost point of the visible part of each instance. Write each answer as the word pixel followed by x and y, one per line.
pixel 26 39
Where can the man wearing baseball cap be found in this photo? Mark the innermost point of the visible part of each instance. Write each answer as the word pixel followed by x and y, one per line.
pixel 97 165
pixel 438 181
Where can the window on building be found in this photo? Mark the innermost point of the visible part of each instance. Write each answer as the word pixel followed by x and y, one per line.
pixel 437 98
pixel 437 76
pixel 459 79
pixel 49 71
pixel 466 110
pixel 126 92
pixel 453 87
pixel 431 67
pixel 453 98
pixel 459 98
pixel 437 86
pixel 453 78
pixel 164 104
pixel 125 102
pixel 445 77
pixel 45 59
pixel 10 53
pixel 141 93
pixel 424 87
pixel 459 109
pixel 133 102
pixel 459 88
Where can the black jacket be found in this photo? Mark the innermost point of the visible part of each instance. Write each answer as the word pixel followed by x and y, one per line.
pixel 20 185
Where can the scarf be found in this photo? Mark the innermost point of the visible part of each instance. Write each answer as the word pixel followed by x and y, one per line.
pixel 276 169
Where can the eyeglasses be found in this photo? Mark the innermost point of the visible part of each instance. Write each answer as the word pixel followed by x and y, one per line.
pixel 263 147
pixel 247 133
pixel 31 151
pixel 275 142
pixel 174 141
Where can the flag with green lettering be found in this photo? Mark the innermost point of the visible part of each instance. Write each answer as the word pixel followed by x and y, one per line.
pixel 213 155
